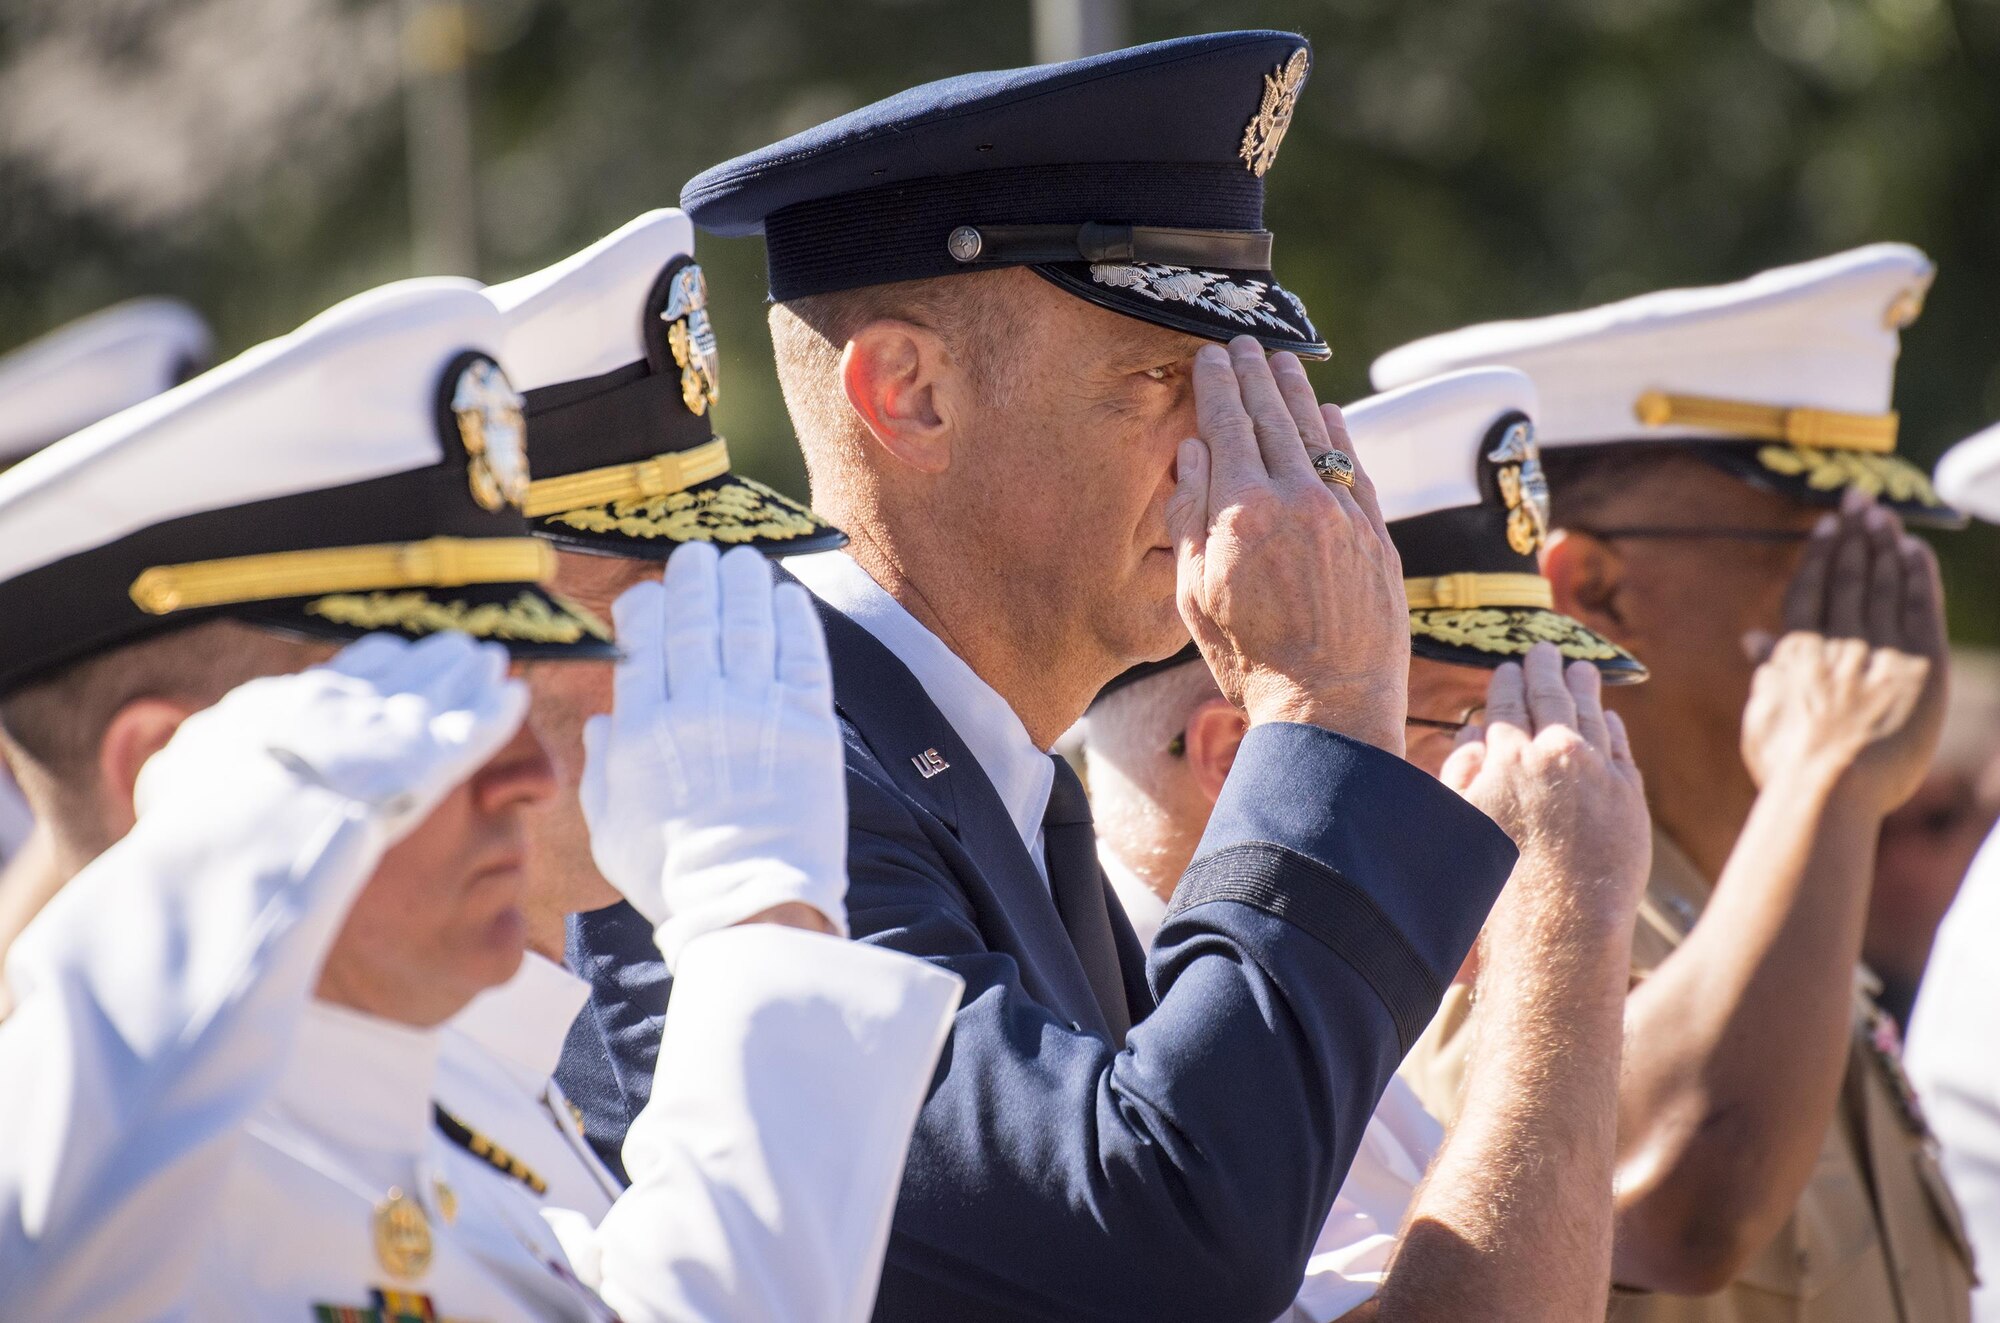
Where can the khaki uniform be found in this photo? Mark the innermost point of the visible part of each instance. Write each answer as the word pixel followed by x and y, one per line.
pixel 1876 1238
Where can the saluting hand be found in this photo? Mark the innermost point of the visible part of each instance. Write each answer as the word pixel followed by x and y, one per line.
pixel 1555 770
pixel 717 787
pixel 1855 688
pixel 390 726
pixel 1289 584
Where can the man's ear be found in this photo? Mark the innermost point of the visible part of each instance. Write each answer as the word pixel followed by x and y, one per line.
pixel 899 377
pixel 1214 733
pixel 1587 576
pixel 135 733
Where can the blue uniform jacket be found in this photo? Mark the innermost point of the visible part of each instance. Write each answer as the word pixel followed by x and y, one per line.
pixel 1053 1176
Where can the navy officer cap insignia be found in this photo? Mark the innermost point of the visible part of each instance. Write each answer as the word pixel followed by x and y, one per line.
pixel 616 354
pixel 359 474
pixel 1457 469
pixel 1134 180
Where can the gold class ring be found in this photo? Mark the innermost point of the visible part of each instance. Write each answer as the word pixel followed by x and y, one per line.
pixel 1335 466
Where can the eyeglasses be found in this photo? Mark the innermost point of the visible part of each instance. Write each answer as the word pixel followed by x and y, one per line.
pixel 1665 531
pixel 1473 717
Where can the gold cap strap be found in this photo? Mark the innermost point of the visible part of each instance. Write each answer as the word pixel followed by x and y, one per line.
pixel 440 562
pixel 1462 591
pixel 1820 429
pixel 662 475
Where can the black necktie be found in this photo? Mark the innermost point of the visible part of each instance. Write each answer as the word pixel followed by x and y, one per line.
pixel 1069 843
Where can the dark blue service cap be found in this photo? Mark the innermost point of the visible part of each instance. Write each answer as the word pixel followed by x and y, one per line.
pixel 1133 179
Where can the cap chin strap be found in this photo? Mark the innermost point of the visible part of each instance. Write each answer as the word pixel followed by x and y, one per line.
pixel 645 480
pixel 439 562
pixel 1817 429
pixel 1001 245
pixel 1465 591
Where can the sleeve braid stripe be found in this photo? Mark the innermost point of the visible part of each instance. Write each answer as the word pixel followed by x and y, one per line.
pixel 1309 895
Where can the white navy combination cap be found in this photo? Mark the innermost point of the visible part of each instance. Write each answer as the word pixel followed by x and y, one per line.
pixel 95 366
pixel 615 352
pixel 1969 475
pixel 1784 379
pixel 362 473
pixel 1458 472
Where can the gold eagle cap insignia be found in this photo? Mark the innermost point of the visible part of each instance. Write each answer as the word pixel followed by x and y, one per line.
pixel 1267 127
pixel 493 428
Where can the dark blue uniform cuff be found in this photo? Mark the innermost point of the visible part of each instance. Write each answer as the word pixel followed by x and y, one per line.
pixel 1371 856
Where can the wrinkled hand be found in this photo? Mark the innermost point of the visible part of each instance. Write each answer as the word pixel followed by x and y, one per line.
pixel 389 725
pixel 1855 687
pixel 1289 585
pixel 1555 770
pixel 716 788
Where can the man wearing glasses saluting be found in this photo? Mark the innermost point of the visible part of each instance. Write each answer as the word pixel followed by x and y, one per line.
pixel 1723 468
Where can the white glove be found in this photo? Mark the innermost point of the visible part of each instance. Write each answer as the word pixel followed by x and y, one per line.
pixel 716 788
pixel 389 726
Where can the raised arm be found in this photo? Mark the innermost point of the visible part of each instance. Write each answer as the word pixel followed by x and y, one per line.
pixel 157 994
pixel 1335 892
pixel 1514 1219
pixel 765 1164
pixel 1723 1116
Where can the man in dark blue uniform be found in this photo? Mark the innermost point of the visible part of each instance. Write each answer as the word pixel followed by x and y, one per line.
pixel 1002 309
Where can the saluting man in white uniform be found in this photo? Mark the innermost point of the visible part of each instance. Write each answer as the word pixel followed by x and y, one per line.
pixel 614 354
pixel 219 1079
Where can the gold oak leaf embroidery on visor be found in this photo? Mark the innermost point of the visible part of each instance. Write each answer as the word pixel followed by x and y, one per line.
pixel 1831 470
pixel 1512 633
pixel 527 619
pixel 743 511
pixel 1244 302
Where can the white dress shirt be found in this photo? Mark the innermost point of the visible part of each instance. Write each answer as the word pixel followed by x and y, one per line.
pixel 1352 1253
pixel 1020 772
pixel 1954 1060
pixel 1146 910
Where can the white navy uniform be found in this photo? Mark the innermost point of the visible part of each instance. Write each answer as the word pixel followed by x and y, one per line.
pixel 190 1134
pixel 495 1064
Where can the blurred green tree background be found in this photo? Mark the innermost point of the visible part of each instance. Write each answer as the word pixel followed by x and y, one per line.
pixel 1452 160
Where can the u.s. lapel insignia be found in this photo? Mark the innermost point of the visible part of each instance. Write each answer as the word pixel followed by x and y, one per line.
pixel 1267 127
pixel 494 431
pixel 929 763
pixel 1523 486
pixel 692 338
pixel 402 1236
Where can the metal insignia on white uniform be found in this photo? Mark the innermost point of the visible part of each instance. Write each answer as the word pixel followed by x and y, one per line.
pixel 1523 486
pixel 692 338
pixel 402 1236
pixel 1245 302
pixel 494 431
pixel 1267 127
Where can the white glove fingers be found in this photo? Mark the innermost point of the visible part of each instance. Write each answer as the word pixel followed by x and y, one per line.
pixel 749 650
pixel 692 619
pixel 803 665
pixel 369 657
pixel 639 680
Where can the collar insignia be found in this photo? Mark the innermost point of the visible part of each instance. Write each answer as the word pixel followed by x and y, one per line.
pixel 494 432
pixel 1523 486
pixel 929 763
pixel 1267 127
pixel 692 338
